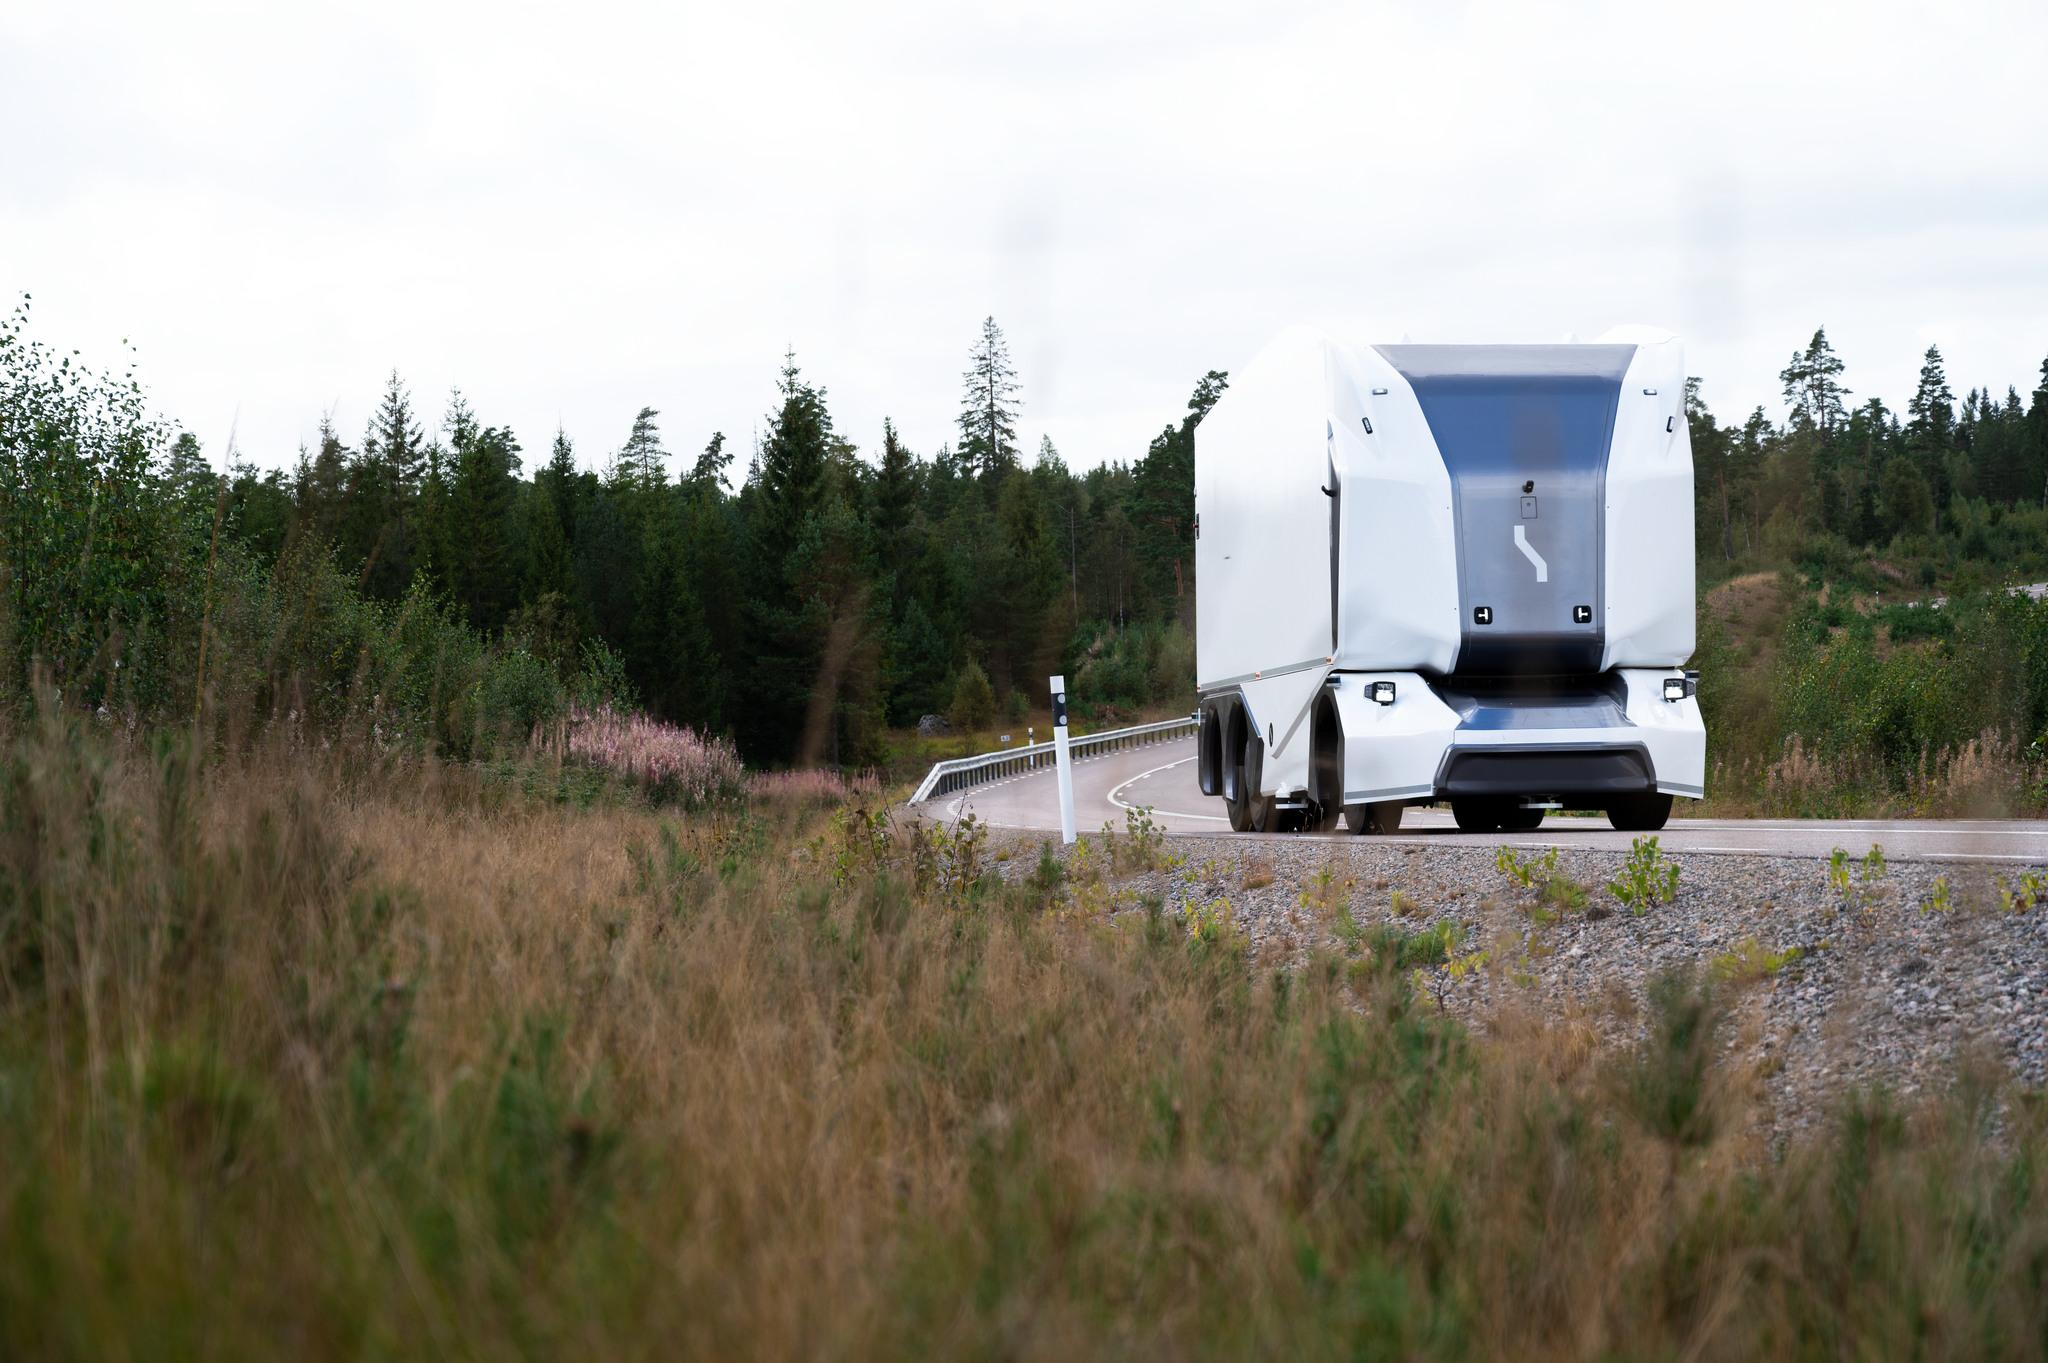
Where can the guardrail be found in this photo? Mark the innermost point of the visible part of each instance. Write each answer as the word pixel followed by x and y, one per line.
pixel 962 772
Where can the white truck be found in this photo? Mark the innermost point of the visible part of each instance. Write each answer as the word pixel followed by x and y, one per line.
pixel 1447 573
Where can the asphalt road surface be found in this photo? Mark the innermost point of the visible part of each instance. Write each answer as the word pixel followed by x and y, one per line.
pixel 1162 778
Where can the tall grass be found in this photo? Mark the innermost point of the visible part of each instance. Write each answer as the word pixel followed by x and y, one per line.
pixel 673 765
pixel 313 1053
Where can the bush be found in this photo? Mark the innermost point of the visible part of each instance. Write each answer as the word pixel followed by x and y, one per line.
pixel 974 703
pixel 672 765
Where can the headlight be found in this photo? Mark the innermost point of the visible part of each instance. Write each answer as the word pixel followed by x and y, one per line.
pixel 1674 688
pixel 1383 692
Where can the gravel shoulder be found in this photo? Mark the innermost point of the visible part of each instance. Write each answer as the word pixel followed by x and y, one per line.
pixel 1902 975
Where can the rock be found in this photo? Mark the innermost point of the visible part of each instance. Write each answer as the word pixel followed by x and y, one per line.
pixel 933 726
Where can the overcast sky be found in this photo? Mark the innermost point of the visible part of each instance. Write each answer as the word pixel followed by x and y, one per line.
pixel 572 210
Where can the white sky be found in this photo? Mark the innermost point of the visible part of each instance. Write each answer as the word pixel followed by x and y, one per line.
pixel 572 210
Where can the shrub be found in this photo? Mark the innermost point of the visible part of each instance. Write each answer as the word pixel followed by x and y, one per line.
pixel 1648 877
pixel 672 765
pixel 974 703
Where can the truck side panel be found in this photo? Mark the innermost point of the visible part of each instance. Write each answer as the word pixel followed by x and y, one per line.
pixel 1263 526
pixel 1649 541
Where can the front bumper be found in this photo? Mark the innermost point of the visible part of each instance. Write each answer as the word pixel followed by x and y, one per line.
pixel 1629 740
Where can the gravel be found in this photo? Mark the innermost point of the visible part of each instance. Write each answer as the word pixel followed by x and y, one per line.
pixel 1904 976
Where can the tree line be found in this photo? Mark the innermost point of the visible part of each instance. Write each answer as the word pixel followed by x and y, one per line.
pixel 804 603
pixel 815 596
pixel 1933 483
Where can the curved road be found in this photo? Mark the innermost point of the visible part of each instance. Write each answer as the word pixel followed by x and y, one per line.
pixel 1162 779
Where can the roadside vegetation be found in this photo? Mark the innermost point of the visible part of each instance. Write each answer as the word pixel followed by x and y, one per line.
pixel 382 977
pixel 318 1049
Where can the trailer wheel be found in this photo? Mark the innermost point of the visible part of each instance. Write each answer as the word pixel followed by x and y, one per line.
pixel 1645 813
pixel 1514 819
pixel 1254 815
pixel 1380 817
pixel 1326 764
pixel 1476 816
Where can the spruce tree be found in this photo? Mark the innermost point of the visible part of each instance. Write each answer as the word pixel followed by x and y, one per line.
pixel 988 407
pixel 2035 483
pixel 559 480
pixel 482 495
pixel 786 623
pixel 317 490
pixel 394 439
pixel 1932 410
pixel 895 495
pixel 793 460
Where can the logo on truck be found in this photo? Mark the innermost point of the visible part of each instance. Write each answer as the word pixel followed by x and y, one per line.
pixel 1529 552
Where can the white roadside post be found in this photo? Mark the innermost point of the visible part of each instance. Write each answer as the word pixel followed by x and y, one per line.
pixel 1066 765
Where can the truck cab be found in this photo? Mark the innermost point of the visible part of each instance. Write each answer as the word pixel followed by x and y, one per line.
pixel 1448 573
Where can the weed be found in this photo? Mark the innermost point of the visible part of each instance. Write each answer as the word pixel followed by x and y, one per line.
pixel 946 862
pixel 1563 895
pixel 1527 872
pixel 1838 871
pixel 1749 961
pixel 1212 929
pixel 2032 889
pixel 1398 950
pixel 1873 865
pixel 1143 847
pixel 1938 898
pixel 861 840
pixel 1402 904
pixel 1648 877
pixel 1258 875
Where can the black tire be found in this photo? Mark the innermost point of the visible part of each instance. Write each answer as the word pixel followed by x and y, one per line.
pixel 1477 816
pixel 1261 816
pixel 1326 765
pixel 1240 812
pixel 1644 813
pixel 1380 818
pixel 1515 819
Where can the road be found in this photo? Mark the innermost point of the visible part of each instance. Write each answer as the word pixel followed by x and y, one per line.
pixel 1162 778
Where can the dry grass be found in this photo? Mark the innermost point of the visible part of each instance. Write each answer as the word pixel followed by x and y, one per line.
pixel 340 1058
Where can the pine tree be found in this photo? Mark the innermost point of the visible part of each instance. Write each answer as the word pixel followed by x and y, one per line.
pixel 709 470
pixel 1164 504
pixel 642 461
pixel 1813 388
pixel 988 407
pixel 1710 445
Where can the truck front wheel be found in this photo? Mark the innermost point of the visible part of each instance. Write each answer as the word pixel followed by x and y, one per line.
pixel 1477 816
pixel 1644 813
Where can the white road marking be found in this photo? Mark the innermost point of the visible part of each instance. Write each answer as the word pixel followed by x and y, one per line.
pixel 1116 796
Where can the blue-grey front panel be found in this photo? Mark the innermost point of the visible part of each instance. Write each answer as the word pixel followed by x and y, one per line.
pixel 1524 431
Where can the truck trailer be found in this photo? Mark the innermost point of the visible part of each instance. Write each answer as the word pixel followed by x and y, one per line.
pixel 1455 574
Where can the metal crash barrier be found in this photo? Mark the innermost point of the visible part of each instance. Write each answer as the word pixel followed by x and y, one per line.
pixel 963 772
